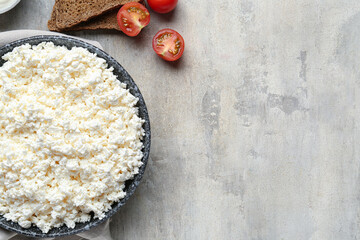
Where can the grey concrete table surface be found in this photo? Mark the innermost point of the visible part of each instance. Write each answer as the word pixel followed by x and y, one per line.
pixel 255 129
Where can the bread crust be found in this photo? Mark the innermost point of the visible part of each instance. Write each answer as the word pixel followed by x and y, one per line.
pixel 99 19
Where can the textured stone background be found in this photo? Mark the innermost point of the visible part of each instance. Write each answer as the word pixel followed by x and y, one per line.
pixel 255 129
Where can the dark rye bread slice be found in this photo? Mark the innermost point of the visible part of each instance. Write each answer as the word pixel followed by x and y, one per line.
pixel 107 20
pixel 52 21
pixel 104 21
pixel 72 12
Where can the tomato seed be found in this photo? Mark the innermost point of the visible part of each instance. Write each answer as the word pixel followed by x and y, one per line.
pixel 142 14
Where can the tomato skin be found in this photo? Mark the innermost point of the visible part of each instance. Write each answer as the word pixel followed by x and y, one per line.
pixel 168 44
pixel 132 17
pixel 162 6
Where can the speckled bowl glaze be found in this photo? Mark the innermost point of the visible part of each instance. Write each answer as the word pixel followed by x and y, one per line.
pixel 131 185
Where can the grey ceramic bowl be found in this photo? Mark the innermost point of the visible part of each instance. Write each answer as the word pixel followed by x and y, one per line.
pixel 131 185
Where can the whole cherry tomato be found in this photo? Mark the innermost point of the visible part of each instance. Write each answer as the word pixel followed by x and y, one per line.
pixel 162 6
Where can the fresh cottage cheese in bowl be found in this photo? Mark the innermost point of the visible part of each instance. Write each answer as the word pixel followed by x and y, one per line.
pixel 70 136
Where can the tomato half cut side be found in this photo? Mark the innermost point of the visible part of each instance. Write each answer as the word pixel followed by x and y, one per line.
pixel 168 44
pixel 132 17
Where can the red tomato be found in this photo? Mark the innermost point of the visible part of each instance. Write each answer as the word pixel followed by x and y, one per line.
pixel 162 6
pixel 132 17
pixel 168 44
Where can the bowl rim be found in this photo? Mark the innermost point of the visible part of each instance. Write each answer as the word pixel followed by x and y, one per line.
pixel 133 183
pixel 4 10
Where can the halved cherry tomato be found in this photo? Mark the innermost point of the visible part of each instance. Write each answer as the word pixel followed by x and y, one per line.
pixel 168 44
pixel 162 6
pixel 132 17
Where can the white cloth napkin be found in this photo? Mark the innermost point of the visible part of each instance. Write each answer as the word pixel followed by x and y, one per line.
pixel 101 232
pixel 6 37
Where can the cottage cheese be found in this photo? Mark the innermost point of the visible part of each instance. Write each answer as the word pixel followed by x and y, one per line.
pixel 69 136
